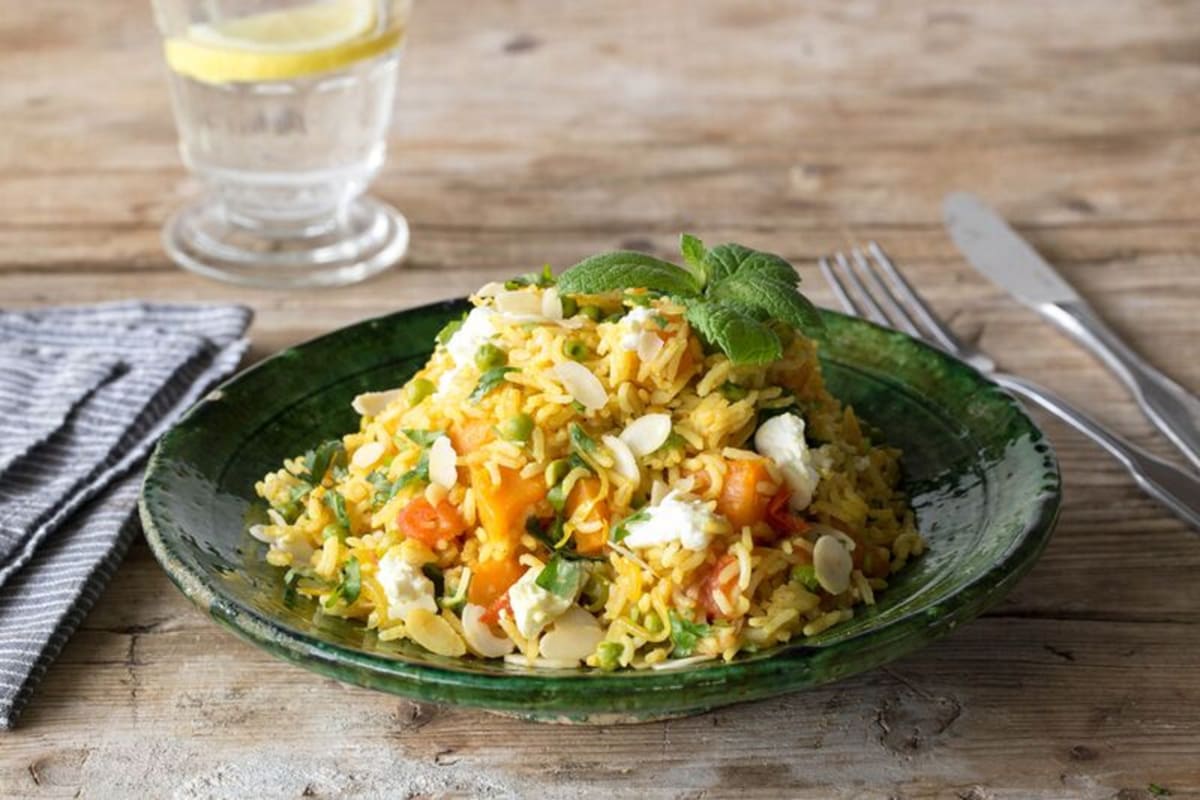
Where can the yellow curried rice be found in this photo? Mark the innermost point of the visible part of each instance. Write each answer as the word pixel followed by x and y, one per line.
pixel 514 537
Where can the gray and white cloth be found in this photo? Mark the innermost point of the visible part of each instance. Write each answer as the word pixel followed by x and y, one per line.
pixel 84 394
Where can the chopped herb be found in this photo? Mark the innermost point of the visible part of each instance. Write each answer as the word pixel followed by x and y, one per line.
pixel 557 470
pixel 542 279
pixel 337 504
pixel 339 473
pixel 733 392
pixel 451 328
pixel 418 474
pixel 806 575
pixel 418 389
pixel 349 586
pixel 326 454
pixel 382 485
pixel 561 576
pixel 578 407
pixel 674 442
pixel 456 601
pixel 293 506
pixel 421 438
pixel 489 356
pixel 576 461
pixel 550 533
pixel 595 591
pixel 489 381
pixel 660 321
pixel 621 529
pixel 436 576
pixel 289 587
pixel 685 635
pixel 334 530
pixel 580 440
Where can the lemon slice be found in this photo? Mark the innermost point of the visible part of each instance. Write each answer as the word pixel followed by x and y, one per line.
pixel 277 45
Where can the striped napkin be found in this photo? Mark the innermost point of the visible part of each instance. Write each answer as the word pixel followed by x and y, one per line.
pixel 84 394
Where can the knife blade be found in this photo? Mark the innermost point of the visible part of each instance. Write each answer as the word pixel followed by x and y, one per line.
pixel 996 250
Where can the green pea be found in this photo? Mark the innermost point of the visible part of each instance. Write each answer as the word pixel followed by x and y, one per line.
pixel 418 389
pixel 576 350
pixel 570 306
pixel 608 655
pixel 653 623
pixel 489 356
pixel 733 392
pixel 517 429
pixel 594 313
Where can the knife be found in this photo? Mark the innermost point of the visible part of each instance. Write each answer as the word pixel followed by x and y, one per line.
pixel 995 249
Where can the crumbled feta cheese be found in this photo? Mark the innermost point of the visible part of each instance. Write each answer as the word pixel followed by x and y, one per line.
pixel 633 324
pixel 781 439
pixel 675 518
pixel 533 607
pixel 477 329
pixel 284 540
pixel 406 586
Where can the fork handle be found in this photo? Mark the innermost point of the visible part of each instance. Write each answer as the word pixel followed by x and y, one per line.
pixel 1168 405
pixel 1176 489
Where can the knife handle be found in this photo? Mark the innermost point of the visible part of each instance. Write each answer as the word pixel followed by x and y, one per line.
pixel 1171 408
pixel 1176 489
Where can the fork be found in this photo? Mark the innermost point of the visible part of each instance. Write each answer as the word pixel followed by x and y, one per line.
pixel 873 288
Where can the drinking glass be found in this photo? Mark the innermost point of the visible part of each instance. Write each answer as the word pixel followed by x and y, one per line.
pixel 282 109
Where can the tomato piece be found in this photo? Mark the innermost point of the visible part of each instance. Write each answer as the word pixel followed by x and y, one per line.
pixel 780 517
pixel 491 579
pixel 430 524
pixel 712 585
pixel 740 501
pixel 586 490
pixel 492 615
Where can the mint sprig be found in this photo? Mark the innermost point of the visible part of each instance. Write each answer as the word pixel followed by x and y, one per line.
pixel 730 292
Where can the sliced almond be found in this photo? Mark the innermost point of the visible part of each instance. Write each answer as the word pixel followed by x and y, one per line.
pixel 552 304
pixel 443 469
pixel 624 462
pixel 582 385
pixel 260 532
pixel 521 303
pixel 572 637
pixel 433 633
pixel 365 457
pixel 479 635
pixel 372 404
pixel 647 433
pixel 490 289
pixel 832 564
pixel 648 345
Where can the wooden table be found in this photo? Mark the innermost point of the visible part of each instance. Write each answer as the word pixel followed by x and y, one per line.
pixel 535 131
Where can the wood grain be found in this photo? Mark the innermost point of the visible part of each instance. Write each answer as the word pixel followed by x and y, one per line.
pixel 532 131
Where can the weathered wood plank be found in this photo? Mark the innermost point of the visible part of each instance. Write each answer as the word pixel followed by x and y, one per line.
pixel 532 132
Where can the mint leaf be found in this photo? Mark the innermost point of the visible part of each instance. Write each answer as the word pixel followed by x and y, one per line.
pixel 623 269
pixel 765 298
pixel 730 260
pixel 739 335
pixel 685 635
pixel 337 504
pixel 580 439
pixel 693 251
pixel 326 455
pixel 488 381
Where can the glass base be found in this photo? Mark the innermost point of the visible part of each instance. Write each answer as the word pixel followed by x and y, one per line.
pixel 364 238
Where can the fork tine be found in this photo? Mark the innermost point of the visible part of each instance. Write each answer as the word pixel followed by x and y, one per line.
pixel 839 288
pixel 873 311
pixel 895 311
pixel 923 312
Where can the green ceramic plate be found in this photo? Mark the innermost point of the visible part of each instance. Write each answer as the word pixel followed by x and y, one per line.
pixel 983 479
